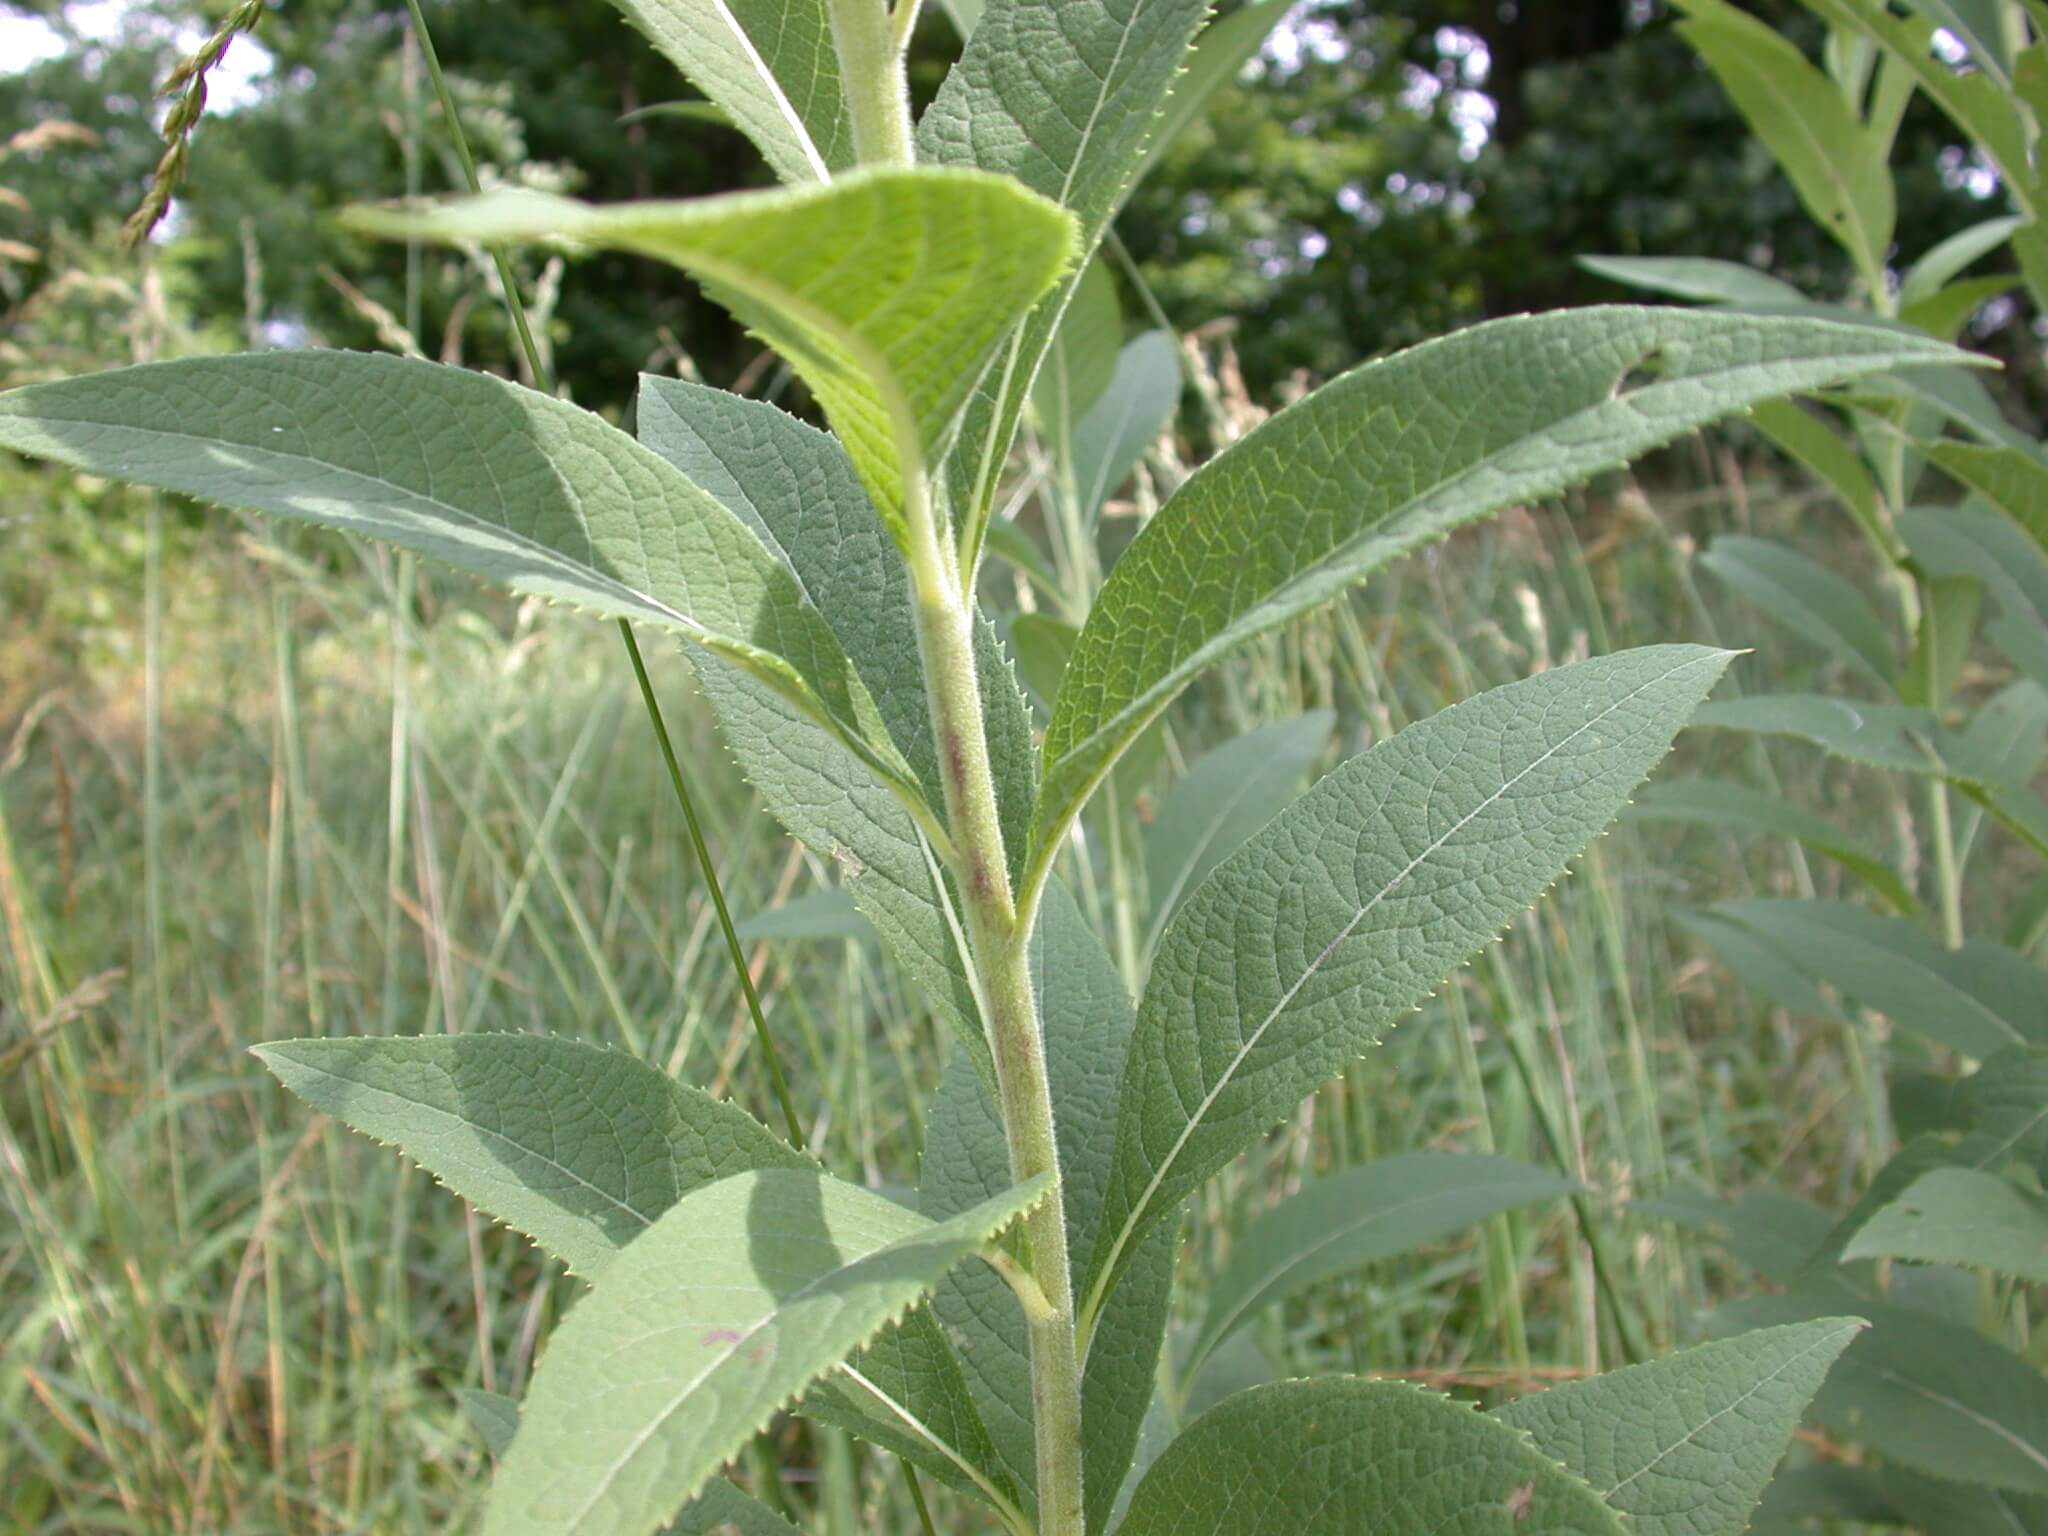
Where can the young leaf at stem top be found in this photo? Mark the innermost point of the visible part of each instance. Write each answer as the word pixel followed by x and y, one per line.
pixel 885 289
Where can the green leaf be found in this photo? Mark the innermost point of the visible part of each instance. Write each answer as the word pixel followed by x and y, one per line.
pixel 1833 162
pixel 1761 966
pixel 1060 94
pixel 1825 1491
pixel 1394 455
pixel 818 791
pixel 720 1510
pixel 1221 51
pixel 1140 400
pixel 1085 1017
pixel 505 483
pixel 1945 312
pixel 905 1392
pixel 1972 540
pixel 1339 1456
pixel 795 486
pixel 1964 1217
pixel 685 1346
pixel 1980 26
pixel 1711 803
pixel 1929 1394
pixel 1972 99
pixel 1351 1219
pixel 1773 1233
pixel 492 1415
pixel 1901 737
pixel 824 914
pixel 1223 800
pixel 2014 482
pixel 1977 999
pixel 1701 279
pixel 1351 907
pixel 1684 1446
pixel 579 1147
pixel 1082 358
pixel 1804 595
pixel 1801 434
pixel 1949 259
pixel 1954 1509
pixel 884 289
pixel 769 65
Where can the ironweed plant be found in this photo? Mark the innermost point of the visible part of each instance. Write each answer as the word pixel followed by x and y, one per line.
pixel 1002 1334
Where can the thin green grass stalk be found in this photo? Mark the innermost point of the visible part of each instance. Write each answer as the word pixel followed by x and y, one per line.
pixel 517 309
pixel 1501 1277
pixel 157 1061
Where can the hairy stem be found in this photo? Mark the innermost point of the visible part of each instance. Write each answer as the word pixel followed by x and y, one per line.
pixel 1001 943
pixel 877 95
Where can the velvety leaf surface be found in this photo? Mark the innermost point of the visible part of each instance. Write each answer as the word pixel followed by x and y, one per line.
pixel 579 1147
pixel 1395 454
pixel 770 65
pixel 1339 1456
pixel 720 1510
pixel 1964 1217
pixel 1226 797
pixel 1350 1219
pixel 502 482
pixel 884 289
pixel 1350 908
pixel 1684 1446
pixel 713 1319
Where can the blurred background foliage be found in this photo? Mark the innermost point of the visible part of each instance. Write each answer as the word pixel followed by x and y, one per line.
pixel 1379 174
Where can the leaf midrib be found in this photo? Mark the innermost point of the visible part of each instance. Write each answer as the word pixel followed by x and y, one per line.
pixel 1699 1429
pixel 1138 1207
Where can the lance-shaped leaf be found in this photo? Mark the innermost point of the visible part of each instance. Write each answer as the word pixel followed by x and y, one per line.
pixel 1700 279
pixel 1801 593
pixel 884 289
pixel 1223 800
pixel 1953 1509
pixel 1684 1446
pixel 1960 1216
pixel 1930 1394
pixel 720 1510
pixel 1836 165
pixel 1355 1218
pixel 1351 907
pixel 502 482
pixel 1060 94
pixel 718 1315
pixel 1738 808
pixel 579 1147
pixel 2016 483
pixel 1391 456
pixel 1340 1456
pixel 1141 398
pixel 1977 999
pixel 1901 737
pixel 770 65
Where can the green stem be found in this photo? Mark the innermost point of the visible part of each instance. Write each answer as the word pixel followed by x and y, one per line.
pixel 1000 939
pixel 871 65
